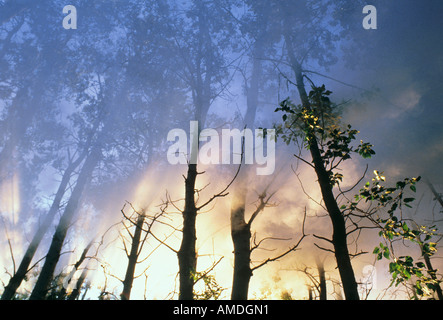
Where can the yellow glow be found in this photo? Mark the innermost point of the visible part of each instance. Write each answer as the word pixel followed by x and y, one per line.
pixel 10 197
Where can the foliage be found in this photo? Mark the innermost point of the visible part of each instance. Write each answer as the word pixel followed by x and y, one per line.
pixel 395 227
pixel 321 121
pixel 212 290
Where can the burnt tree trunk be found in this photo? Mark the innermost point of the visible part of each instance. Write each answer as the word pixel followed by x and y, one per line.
pixel 23 268
pixel 187 256
pixel 240 230
pixel 322 281
pixel 76 291
pixel 132 258
pixel 241 238
pixel 47 272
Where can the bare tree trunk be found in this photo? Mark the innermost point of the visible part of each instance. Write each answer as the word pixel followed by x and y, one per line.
pixel 310 295
pixel 437 196
pixel 23 268
pixel 133 258
pixel 241 238
pixel 40 290
pixel 187 256
pixel 76 291
pixel 322 281
pixel 339 236
pixel 240 230
pixel 75 268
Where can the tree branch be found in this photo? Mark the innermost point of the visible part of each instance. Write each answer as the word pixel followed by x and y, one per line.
pixel 293 248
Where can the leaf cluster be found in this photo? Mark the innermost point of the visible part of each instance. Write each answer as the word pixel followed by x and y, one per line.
pixel 394 228
pixel 320 122
pixel 212 289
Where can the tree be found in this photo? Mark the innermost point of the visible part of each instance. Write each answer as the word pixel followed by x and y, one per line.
pixel 46 274
pixel 137 243
pixel 329 146
pixel 31 130
pixel 395 226
pixel 79 283
pixel 23 268
pixel 245 243
pixel 317 288
pixel 199 39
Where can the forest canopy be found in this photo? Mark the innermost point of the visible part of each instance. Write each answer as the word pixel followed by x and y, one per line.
pixel 220 150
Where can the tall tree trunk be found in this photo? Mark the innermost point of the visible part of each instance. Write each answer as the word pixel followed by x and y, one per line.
pixel 187 256
pixel 310 295
pixel 133 258
pixel 322 281
pixel 23 268
pixel 339 236
pixel 241 238
pixel 240 230
pixel 47 272
pixel 74 269
pixel 76 291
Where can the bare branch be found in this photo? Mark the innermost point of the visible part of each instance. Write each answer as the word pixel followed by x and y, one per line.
pixel 163 242
pixel 257 245
pixel 293 248
pixel 261 206
pixel 324 249
pixel 351 188
pixel 301 158
pixel 304 191
pixel 223 192
pixel 204 274
pixel 323 238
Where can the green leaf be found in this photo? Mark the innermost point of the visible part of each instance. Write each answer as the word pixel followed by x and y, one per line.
pixel 393 267
pixel 405 227
pixel 386 253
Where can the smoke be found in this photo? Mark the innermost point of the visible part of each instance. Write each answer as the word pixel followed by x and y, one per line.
pixel 390 79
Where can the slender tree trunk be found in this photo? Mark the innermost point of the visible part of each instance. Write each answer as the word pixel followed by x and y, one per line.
pixel 187 256
pixel 133 258
pixel 241 238
pixel 437 196
pixel 310 295
pixel 76 291
pixel 75 268
pixel 322 281
pixel 242 258
pixel 339 236
pixel 47 272
pixel 240 230
pixel 23 268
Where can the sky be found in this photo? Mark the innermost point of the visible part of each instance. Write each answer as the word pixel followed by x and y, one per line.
pixel 57 84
